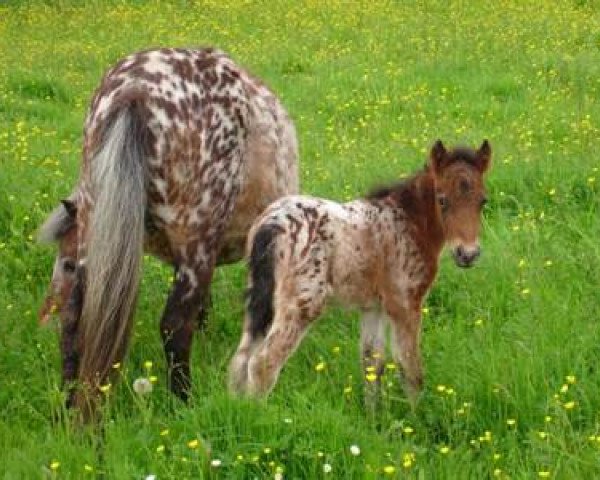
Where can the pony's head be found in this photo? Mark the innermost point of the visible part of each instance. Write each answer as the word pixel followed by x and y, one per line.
pixel 460 196
pixel 60 228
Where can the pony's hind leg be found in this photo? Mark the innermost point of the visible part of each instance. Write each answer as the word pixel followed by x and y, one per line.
pixel 177 325
pixel 372 337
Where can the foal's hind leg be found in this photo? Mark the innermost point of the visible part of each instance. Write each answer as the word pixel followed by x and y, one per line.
pixel 372 337
pixel 187 297
pixel 238 368
pixel 268 359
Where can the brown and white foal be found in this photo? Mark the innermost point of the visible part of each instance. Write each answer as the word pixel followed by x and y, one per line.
pixel 379 254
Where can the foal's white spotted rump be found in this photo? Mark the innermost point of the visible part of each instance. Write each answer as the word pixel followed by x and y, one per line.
pixel 379 254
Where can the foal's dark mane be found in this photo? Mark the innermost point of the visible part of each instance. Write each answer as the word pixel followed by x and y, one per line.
pixel 396 188
pixel 457 154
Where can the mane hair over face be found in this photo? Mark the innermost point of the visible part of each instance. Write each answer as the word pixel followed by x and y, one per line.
pixel 462 154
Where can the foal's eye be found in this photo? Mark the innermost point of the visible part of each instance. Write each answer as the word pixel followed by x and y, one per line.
pixel 443 201
pixel 69 266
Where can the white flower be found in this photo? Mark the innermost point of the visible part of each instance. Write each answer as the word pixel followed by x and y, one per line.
pixel 142 386
pixel 327 468
pixel 150 477
pixel 215 463
pixel 355 450
pixel 278 476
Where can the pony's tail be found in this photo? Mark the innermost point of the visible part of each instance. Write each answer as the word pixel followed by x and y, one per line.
pixel 262 281
pixel 114 244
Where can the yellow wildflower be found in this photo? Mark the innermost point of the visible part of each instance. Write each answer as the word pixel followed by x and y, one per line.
pixel 105 388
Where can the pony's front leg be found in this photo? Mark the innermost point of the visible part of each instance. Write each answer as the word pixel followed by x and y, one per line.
pixel 405 319
pixel 187 297
pixel 70 316
pixel 372 338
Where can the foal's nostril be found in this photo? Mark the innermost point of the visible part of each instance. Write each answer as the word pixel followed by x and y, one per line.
pixel 465 257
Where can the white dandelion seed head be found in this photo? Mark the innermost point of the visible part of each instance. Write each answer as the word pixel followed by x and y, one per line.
pixel 150 477
pixel 278 476
pixel 142 386
pixel 327 468
pixel 355 450
pixel 215 463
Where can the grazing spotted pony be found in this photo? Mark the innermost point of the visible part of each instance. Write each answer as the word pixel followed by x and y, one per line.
pixel 379 254
pixel 182 150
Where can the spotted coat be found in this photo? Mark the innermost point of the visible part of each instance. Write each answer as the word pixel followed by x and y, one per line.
pixel 182 150
pixel 379 254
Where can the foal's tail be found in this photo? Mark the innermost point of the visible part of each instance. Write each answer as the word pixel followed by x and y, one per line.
pixel 262 280
pixel 114 243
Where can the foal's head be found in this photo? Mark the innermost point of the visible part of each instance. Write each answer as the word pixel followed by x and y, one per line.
pixel 460 196
pixel 60 227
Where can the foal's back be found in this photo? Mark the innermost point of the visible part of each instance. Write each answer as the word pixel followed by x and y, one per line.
pixel 327 249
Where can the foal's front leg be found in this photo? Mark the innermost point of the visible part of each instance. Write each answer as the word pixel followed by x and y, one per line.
pixel 187 298
pixel 372 338
pixel 405 319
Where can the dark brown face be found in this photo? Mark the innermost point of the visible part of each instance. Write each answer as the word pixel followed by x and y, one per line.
pixel 62 276
pixel 460 194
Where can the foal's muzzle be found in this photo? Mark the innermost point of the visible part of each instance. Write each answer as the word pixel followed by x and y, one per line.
pixel 466 256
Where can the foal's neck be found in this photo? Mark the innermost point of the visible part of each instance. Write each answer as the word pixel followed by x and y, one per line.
pixel 418 201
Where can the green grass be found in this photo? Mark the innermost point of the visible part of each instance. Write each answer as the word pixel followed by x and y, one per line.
pixel 370 86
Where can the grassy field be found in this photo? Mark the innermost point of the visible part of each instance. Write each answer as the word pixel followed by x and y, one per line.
pixel 511 347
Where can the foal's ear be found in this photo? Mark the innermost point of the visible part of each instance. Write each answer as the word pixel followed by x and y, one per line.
pixel 437 156
pixel 484 156
pixel 70 207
